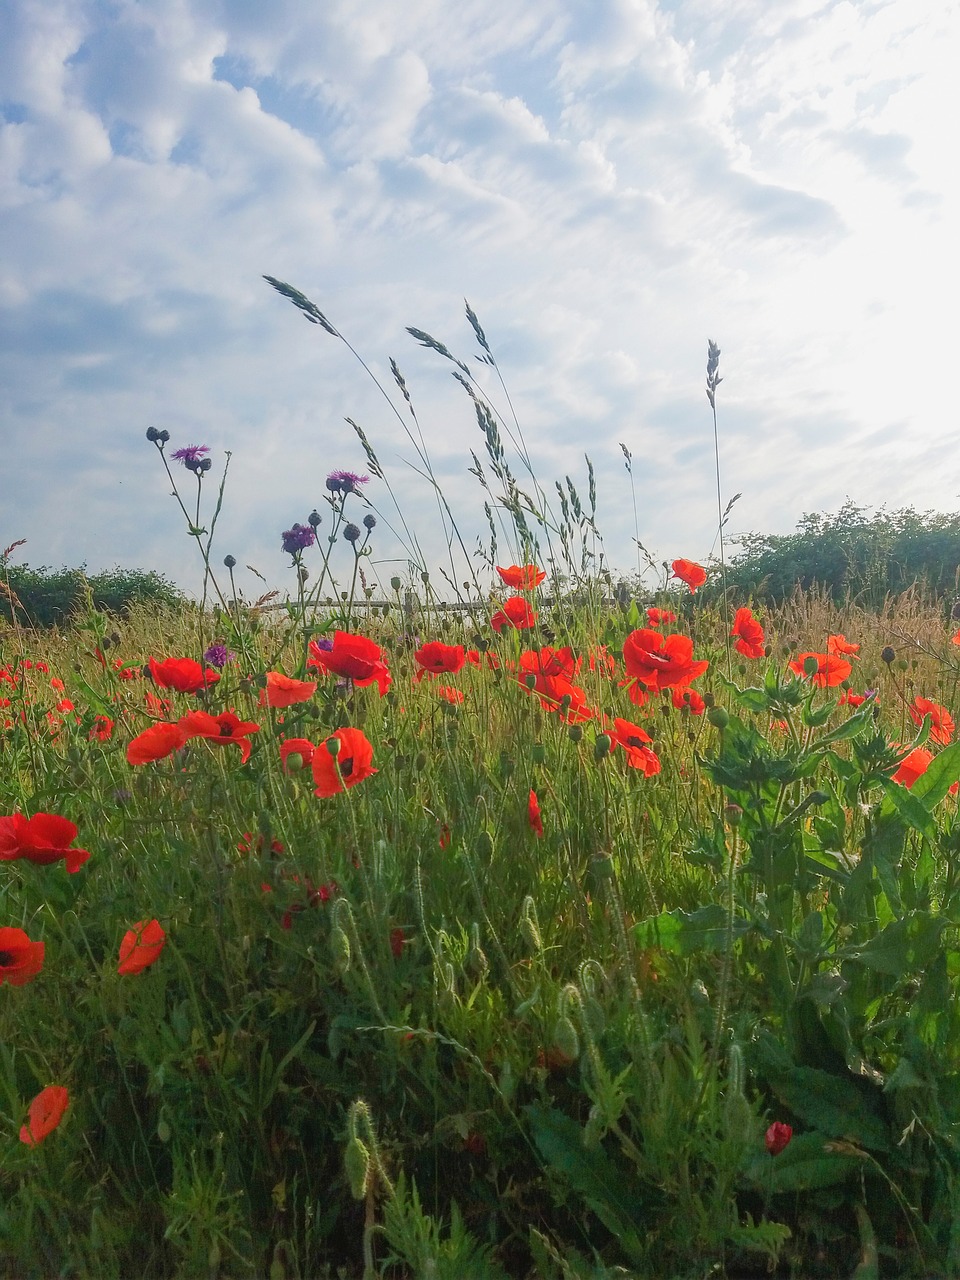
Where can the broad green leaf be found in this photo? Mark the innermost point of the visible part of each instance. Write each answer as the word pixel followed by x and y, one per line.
pixel 810 1160
pixel 903 947
pixel 683 933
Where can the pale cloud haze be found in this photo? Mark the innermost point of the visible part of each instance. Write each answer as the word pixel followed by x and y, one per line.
pixel 608 182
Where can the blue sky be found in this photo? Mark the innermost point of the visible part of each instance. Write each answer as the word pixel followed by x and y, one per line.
pixel 608 182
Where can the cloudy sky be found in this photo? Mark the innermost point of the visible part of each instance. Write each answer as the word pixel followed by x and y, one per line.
pixel 609 183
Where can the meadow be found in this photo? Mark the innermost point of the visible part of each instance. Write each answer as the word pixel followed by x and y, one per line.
pixel 505 920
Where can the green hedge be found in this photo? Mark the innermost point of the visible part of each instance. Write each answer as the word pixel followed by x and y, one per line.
pixel 49 596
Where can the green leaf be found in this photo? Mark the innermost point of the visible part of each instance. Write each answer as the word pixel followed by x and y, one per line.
pixel 811 1160
pixel 683 933
pixel 902 947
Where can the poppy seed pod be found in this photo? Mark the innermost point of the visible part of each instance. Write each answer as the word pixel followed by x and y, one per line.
pixel 887 654
pixel 718 717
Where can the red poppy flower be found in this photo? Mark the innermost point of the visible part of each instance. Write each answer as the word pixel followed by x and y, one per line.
pixel 20 959
pixel 43 839
pixel 777 1137
pixel 831 670
pixel 657 616
pixel 521 577
pixel 444 837
pixel 941 721
pixel 56 684
pixel 688 698
pixel 284 691
pixel 636 692
pixel 298 747
pixel 912 766
pixel 155 743
pixel 101 729
pixel 141 946
pixel 46 1112
pixel 355 658
pixel 516 612
pixel 600 660
pixel 439 659
pixel 634 741
pixel 557 693
pixel 661 662
pixel 850 699
pixel 750 640
pixel 533 814
pixel 478 659
pixel 451 695
pixel 183 674
pixel 549 662
pixel 840 647
pixel 247 844
pixel 397 940
pixel 221 730
pixel 694 575
pixel 351 764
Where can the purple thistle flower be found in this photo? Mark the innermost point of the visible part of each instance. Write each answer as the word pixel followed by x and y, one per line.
pixel 191 455
pixel 218 655
pixel 297 538
pixel 345 481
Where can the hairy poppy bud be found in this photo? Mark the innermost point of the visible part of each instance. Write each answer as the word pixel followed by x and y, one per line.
pixel 601 748
pixel 565 1040
pixel 356 1161
pixel 777 1137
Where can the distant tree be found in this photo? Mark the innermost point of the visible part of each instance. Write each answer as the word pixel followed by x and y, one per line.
pixel 47 597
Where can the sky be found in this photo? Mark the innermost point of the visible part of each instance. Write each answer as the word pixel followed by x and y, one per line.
pixel 608 183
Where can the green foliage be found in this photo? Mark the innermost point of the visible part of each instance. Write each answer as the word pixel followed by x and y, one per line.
pixel 47 597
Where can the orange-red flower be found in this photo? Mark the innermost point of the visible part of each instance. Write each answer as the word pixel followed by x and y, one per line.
pixel 478 659
pixel 20 959
pixel 912 766
pixel 841 647
pixel 450 694
pixel 521 577
pixel 141 946
pixel 155 743
pixel 694 575
pixel 657 616
pixel 777 1137
pixel 183 674
pixel 830 671
pixel 46 1112
pixel 516 612
pixel 688 698
pixel 285 691
pixel 346 765
pixel 223 729
pixel 302 748
pixel 941 721
pixel 533 813
pixel 439 659
pixel 45 838
pixel 549 662
pixel 101 729
pixel 635 742
pixel 661 662
pixel 749 632
pixel 355 658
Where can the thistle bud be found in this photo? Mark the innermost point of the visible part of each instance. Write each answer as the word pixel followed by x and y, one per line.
pixel 887 654
pixel 230 561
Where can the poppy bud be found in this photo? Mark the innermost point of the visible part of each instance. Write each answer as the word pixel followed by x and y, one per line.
pixel 340 945
pixel 333 746
pixel 565 1040
pixel 777 1137
pixel 530 681
pixel 395 584
pixel 424 577
pixel 811 666
pixel 601 748
pixel 955 611
pixel 575 733
pixel 356 1161
pixel 530 926
pixel 718 717
pixel 887 654
pixel 538 753
pixel 420 761
pixel 733 814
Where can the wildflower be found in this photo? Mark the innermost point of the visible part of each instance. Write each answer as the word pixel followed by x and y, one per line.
pixel 656 617
pixel 223 729
pixel 183 674
pixel 449 694
pixel 284 691
pixel 912 766
pixel 155 743
pixel 515 613
pixel 343 767
pixel 301 749
pixel 247 844
pixel 829 671
pixel 533 814
pixel 192 457
pixel 369 522
pixel 478 659
pixel 694 575
pixel 439 659
pixel 941 721
pixel 218 655
pixel 46 1111
pixel 351 532
pixel 661 662
pixel 43 839
pixel 444 837
pixel 549 662
pixel 101 729
pixel 355 657
pixel 635 742
pixel 841 647
pixel 521 577
pixel 850 699
pixel 298 539
pixel 397 941
pixel 749 632
pixel 20 959
pixel 777 1137
pixel 140 947
pixel 345 481
pixel 690 699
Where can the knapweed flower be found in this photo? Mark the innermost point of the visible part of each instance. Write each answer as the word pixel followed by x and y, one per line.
pixel 777 1137
pixel 140 947
pixel 521 577
pixel 155 743
pixel 46 1112
pixel 355 658
pixel 657 617
pixel 221 730
pixel 912 766
pixel 43 839
pixel 20 959
pixel 345 481
pixel 285 691
pixel 190 456
pixel 661 662
pixel 533 814
pixel 841 647
pixel 218 655
pixel 183 674
pixel 636 743
pixel 941 721
pixel 694 575
pixel 298 538
pixel 830 669
pixel 516 612
pixel 749 633
pixel 294 750
pixel 346 765
pixel 439 659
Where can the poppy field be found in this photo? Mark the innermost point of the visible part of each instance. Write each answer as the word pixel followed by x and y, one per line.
pixel 570 932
